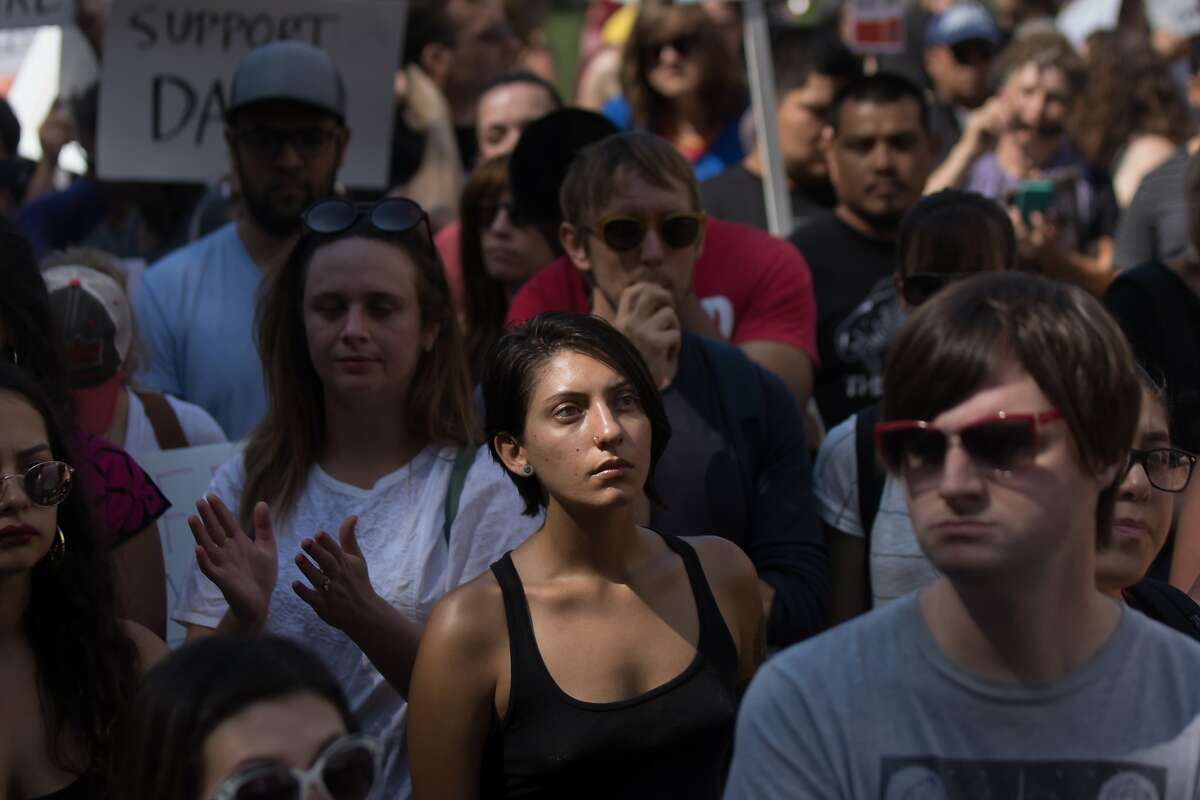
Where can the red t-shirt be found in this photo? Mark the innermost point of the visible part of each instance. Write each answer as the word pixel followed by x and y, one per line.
pixel 753 285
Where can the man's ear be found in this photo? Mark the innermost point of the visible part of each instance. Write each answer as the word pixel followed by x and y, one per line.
pixel 574 242
pixel 429 336
pixel 512 454
pixel 436 59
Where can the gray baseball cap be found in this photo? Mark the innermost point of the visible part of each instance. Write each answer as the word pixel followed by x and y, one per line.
pixel 288 70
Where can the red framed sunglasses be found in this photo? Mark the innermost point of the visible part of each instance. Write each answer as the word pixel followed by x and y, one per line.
pixel 1001 442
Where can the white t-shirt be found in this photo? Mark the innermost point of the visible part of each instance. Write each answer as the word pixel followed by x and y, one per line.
pixel 399 530
pixel 199 428
pixel 897 565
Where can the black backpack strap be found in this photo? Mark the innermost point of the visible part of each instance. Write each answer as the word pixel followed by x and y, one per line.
pixel 458 478
pixel 1163 602
pixel 870 475
pixel 168 432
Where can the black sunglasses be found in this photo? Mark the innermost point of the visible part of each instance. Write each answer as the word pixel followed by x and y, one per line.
pixel 920 286
pixel 678 230
pixel 1168 469
pixel 336 215
pixel 684 44
pixel 973 51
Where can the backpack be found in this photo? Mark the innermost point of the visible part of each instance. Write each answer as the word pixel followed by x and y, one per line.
pixel 870 474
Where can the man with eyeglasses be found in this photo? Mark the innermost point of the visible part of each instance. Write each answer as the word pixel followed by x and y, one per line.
pixel 286 134
pixel 960 46
pixel 1012 675
pixel 737 463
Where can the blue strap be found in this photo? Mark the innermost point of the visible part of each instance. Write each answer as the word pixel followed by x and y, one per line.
pixel 458 478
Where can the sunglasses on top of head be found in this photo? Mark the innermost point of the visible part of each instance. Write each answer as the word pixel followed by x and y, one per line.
pixel 335 215
pixel 1000 443
pixel 347 769
pixel 45 484
pixel 677 230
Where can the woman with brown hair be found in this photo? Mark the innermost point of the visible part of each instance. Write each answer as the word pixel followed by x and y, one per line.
pixel 370 429
pixel 500 251
pixel 680 80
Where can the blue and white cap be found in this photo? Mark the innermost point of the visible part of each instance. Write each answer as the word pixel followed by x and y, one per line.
pixel 961 22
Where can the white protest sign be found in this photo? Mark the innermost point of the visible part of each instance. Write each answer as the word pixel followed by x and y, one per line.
pixel 36 13
pixel 168 66
pixel 183 476
pixel 877 26
pixel 1180 17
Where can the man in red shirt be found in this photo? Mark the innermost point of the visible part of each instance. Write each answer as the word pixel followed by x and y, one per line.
pixel 748 287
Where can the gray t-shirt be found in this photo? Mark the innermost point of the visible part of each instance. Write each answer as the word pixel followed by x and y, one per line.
pixel 874 709
pixel 1154 227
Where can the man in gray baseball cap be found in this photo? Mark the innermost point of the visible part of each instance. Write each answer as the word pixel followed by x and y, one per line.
pixel 286 134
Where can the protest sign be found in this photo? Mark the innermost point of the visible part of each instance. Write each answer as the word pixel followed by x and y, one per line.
pixel 183 476
pixel 877 26
pixel 35 13
pixel 168 66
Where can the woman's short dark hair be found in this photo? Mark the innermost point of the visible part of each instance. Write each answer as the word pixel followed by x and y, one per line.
pixel 1060 335
pixel 183 699
pixel 86 666
pixel 512 371
pixel 954 231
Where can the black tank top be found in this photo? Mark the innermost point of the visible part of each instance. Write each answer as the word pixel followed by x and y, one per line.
pixel 673 741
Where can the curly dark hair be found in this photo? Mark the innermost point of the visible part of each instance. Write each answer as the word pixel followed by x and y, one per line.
pixel 1129 93
pixel 86 666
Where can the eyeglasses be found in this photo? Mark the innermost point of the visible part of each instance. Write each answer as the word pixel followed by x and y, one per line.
pixel 45 484
pixel 1000 443
pixel 677 230
pixel 346 770
pixel 920 286
pixel 684 45
pixel 1168 469
pixel 973 51
pixel 336 215
pixel 267 144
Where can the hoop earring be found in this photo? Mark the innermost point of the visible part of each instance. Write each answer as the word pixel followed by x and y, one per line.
pixel 59 547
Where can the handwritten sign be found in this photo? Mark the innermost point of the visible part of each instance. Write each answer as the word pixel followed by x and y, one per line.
pixel 168 66
pixel 877 26
pixel 183 476
pixel 36 13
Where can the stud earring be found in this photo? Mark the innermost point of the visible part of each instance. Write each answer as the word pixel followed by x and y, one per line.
pixel 528 470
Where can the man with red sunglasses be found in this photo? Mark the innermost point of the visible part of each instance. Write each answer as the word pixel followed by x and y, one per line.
pixel 737 463
pixel 1012 675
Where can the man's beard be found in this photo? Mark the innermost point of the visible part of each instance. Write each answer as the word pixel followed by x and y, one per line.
pixel 272 221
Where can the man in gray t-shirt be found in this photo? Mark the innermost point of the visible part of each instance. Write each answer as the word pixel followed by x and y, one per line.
pixel 1011 676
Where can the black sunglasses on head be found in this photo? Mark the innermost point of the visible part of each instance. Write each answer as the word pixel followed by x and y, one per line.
pixel 336 215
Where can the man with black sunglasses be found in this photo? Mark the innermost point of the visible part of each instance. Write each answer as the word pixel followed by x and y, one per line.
pixel 1012 675
pixel 960 46
pixel 286 133
pixel 737 463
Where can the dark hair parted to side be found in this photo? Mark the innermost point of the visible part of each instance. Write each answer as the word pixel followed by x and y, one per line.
pixel 798 53
pixel 1060 335
pixel 596 170
pixel 882 87
pixel 953 231
pixel 527 77
pixel 183 699
pixel 86 666
pixel 285 445
pixel 513 370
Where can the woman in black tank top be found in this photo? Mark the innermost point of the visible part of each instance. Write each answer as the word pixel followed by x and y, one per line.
pixel 598 659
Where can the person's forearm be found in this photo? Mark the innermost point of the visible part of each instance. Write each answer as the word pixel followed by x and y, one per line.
pixel 42 181
pixel 1091 273
pixel 233 625
pixel 953 170
pixel 389 640
pixel 800 603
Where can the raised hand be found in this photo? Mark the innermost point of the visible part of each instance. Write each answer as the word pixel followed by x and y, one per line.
pixel 244 569
pixel 341 591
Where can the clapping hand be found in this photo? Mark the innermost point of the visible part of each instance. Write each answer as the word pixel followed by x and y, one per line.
pixel 244 569
pixel 341 591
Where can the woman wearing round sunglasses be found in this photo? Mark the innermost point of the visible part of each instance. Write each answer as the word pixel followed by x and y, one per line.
pixel 681 81
pixel 371 433
pixel 70 666
pixel 234 718
pixel 944 238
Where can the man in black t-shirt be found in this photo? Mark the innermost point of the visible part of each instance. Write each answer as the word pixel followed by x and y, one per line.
pixel 810 66
pixel 879 153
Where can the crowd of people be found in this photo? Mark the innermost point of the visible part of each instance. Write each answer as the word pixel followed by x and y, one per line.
pixel 561 476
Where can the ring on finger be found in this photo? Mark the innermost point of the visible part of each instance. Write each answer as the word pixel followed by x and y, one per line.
pixel 325 584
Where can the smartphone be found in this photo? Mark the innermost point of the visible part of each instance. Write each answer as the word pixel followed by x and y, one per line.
pixel 1031 196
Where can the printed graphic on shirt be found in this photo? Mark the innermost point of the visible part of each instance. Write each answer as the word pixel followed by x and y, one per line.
pixel 862 339
pixel 720 309
pixel 931 778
